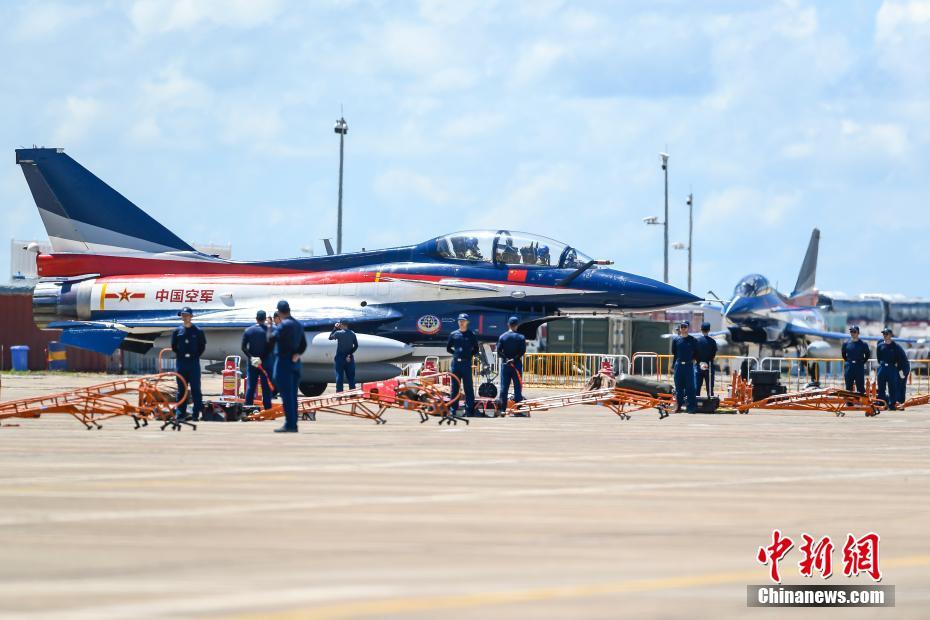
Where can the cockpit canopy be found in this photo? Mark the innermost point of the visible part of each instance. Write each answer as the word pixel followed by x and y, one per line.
pixel 753 285
pixel 508 248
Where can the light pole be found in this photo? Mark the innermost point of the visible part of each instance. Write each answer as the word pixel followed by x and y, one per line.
pixel 342 128
pixel 664 158
pixel 654 220
pixel 681 246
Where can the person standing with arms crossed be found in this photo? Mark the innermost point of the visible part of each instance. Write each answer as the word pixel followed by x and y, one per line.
pixel 188 343
pixel 463 345
pixel 344 360
pixel 511 347
pixel 291 343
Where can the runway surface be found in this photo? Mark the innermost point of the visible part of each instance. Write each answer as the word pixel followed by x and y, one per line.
pixel 568 514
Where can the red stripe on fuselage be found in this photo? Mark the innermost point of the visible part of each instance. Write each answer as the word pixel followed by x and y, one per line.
pixel 67 265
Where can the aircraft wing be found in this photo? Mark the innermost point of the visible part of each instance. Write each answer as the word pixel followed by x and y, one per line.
pixel 138 333
pixel 806 331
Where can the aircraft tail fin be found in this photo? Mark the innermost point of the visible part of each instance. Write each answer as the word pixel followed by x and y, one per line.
pixel 81 213
pixel 808 275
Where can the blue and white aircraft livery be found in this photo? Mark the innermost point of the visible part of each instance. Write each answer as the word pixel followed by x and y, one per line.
pixel 759 314
pixel 116 278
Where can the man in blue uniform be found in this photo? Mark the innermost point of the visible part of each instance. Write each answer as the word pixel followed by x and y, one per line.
pixel 511 347
pixel 684 353
pixel 188 342
pixel 889 355
pixel 344 361
pixel 707 352
pixel 291 342
pixel 258 355
pixel 463 345
pixel 903 372
pixel 855 354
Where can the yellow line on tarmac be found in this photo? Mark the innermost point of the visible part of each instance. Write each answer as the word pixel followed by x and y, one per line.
pixel 414 604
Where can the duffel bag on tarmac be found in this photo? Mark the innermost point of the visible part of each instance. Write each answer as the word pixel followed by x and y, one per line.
pixel 642 384
pixel 707 404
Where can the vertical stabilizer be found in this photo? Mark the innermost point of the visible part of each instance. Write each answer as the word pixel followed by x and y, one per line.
pixel 808 275
pixel 81 213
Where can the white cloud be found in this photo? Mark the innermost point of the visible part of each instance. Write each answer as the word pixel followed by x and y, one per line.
pixel 160 16
pixel 44 19
pixel 398 185
pixel 78 116
pixel 746 206
pixel 902 39
pixel 251 123
pixel 534 62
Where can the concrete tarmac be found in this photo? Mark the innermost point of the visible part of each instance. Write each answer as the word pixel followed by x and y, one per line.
pixel 568 514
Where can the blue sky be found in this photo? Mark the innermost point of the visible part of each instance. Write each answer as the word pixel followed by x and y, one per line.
pixel 216 116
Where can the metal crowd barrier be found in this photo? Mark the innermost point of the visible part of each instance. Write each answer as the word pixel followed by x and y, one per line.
pixel 659 366
pixel 568 369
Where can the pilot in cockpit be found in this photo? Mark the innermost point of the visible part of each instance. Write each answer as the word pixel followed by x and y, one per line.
pixel 507 252
pixel 459 246
pixel 528 253
pixel 542 255
pixel 472 251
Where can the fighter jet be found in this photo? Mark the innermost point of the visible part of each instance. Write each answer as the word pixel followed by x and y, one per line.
pixel 759 314
pixel 116 278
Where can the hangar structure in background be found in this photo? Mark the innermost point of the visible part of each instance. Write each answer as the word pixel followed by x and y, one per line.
pixel 116 278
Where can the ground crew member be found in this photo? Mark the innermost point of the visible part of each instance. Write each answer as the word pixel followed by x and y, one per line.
pixel 291 342
pixel 275 320
pixel 511 347
pixel 463 345
pixel 905 370
pixel 188 343
pixel 684 353
pixel 707 353
pixel 344 361
pixel 889 354
pixel 258 353
pixel 856 355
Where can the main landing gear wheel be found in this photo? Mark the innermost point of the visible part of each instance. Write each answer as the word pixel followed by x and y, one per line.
pixel 312 389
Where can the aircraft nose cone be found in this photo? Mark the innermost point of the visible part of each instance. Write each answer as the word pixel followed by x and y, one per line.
pixel 648 294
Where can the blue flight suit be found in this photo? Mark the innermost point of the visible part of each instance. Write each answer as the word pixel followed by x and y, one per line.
pixel 684 352
pixel 902 382
pixel 255 344
pixel 511 347
pixel 889 364
pixel 463 346
pixel 290 339
pixel 856 356
pixel 188 344
pixel 344 361
pixel 706 353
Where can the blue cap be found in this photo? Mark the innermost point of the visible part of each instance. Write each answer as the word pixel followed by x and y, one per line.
pixel 283 306
pixel 685 324
pixel 463 317
pixel 705 326
pixel 513 320
pixel 854 328
pixel 887 330
pixel 260 315
pixel 186 310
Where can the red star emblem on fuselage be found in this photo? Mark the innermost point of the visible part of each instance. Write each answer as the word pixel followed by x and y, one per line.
pixel 124 295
